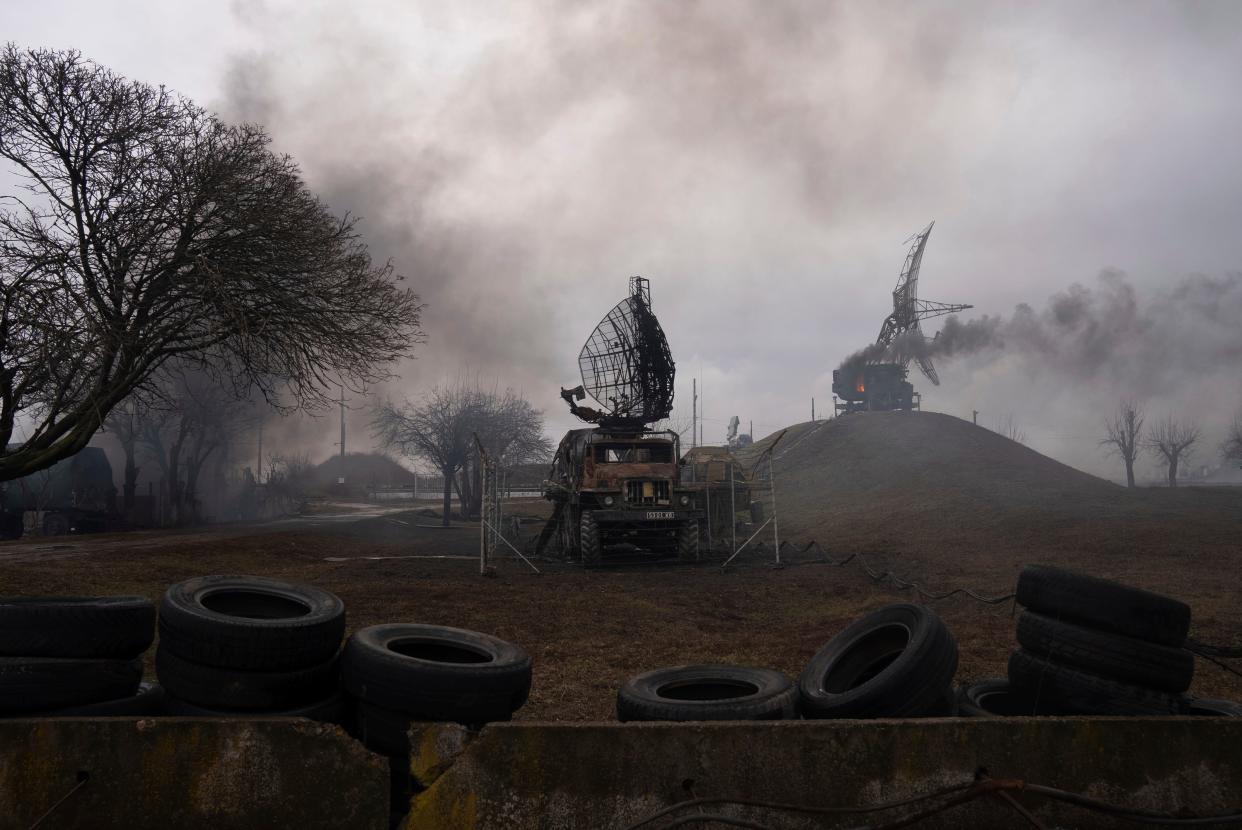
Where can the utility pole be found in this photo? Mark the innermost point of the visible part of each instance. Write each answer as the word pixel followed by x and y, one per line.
pixel 694 413
pixel 812 410
pixel 258 478
pixel 702 420
pixel 974 417
pixel 341 479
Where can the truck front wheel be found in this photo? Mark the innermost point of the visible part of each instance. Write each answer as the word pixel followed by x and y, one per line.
pixel 588 540
pixel 688 542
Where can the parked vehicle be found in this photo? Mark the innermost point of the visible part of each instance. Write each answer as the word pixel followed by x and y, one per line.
pixel 76 495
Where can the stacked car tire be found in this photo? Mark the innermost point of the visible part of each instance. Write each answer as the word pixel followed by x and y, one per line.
pixel 1090 646
pixel 402 672
pixel 75 656
pixel 231 645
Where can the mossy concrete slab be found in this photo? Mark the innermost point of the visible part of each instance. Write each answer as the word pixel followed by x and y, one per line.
pixel 602 776
pixel 185 773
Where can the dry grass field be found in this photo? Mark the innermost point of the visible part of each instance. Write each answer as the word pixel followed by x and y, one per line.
pixel 929 497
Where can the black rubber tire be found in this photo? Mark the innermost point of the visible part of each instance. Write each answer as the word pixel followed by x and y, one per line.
pixel 1077 692
pixel 894 663
pixel 694 693
pixel 432 672
pixel 590 546
pixel 234 633
pixel 688 542
pixel 37 684
pixel 146 702
pixel 1103 604
pixel 96 627
pixel 330 709
pixel 214 687
pixel 997 699
pixel 1104 653
pixel 381 730
pixel 1208 707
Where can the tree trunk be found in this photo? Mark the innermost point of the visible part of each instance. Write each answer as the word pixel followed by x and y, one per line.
pixel 448 493
pixel 131 480
pixel 1129 472
pixel 1173 471
pixel 175 489
pixel 193 468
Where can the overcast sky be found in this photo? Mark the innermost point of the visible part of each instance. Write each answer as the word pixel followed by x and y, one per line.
pixel 761 164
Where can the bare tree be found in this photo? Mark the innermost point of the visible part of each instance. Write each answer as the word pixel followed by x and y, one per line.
pixel 436 430
pixel 289 480
pixel 188 419
pixel 1172 441
pixel 511 430
pixel 1124 435
pixel 1231 450
pixel 440 430
pixel 126 422
pixel 1008 427
pixel 144 229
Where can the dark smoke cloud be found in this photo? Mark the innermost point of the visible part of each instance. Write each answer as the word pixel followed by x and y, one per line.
pixel 1107 335
pixel 761 166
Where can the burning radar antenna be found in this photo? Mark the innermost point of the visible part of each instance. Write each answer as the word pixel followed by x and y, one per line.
pixel 875 378
pixel 626 366
pixel 909 310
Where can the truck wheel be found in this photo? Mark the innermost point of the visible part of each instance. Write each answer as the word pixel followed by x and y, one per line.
pixel 688 542
pixel 588 540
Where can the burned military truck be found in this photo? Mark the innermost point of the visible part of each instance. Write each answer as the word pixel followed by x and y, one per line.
pixel 616 486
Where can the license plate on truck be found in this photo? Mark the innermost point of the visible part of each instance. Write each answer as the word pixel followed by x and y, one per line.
pixel 660 514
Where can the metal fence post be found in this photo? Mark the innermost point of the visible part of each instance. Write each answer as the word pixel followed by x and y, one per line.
pixel 732 510
pixel 776 534
pixel 707 489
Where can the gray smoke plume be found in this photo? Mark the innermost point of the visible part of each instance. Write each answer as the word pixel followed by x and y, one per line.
pixel 1103 335
pixel 761 165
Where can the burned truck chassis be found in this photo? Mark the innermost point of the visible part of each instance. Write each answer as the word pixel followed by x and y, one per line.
pixel 614 489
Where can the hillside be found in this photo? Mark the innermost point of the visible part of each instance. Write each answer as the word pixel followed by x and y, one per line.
pixel 933 486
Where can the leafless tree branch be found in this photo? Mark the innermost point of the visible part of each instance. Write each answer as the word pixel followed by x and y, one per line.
pixel 149 231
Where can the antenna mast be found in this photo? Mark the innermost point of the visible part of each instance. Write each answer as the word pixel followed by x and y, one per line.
pixel 909 310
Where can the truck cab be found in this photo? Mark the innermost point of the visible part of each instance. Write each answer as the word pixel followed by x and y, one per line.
pixel 617 488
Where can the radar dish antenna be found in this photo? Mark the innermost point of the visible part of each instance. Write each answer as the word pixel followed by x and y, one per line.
pixel 909 311
pixel 626 366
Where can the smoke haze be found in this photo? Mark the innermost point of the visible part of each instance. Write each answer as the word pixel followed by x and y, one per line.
pixel 761 164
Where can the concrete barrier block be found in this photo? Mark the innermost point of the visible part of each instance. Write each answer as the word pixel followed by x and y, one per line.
pixel 188 773
pixel 604 776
